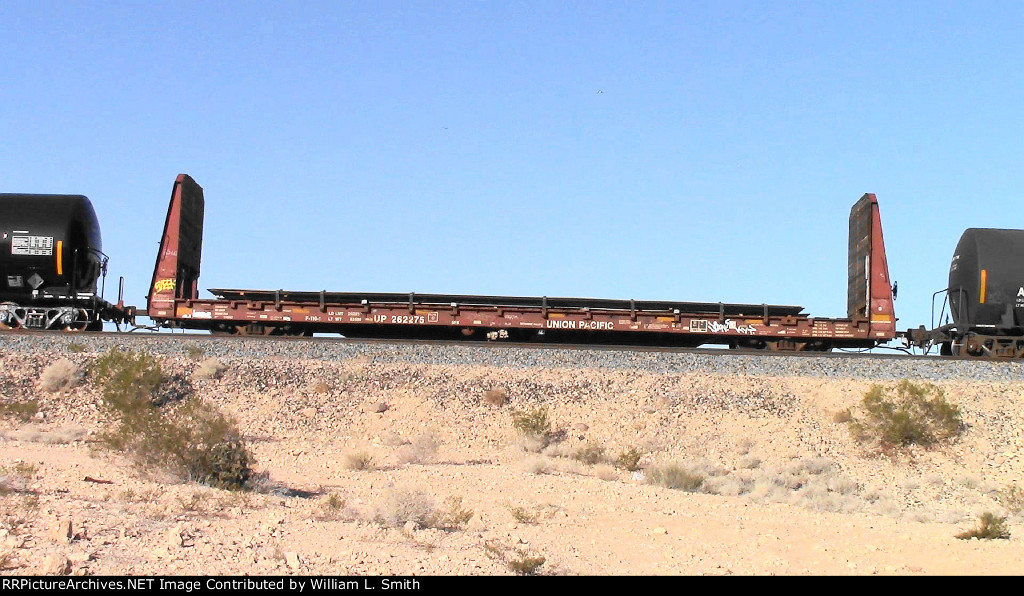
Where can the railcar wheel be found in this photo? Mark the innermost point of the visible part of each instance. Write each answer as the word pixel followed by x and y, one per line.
pixel 946 349
pixel 7 327
pixel 82 323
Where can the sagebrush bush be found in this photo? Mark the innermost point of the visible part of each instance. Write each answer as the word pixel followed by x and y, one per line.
pixel 59 375
pixel 522 514
pixel 990 527
pixel 675 476
pixel 401 506
pixel 422 450
pixel 453 516
pixel 190 439
pixel 332 506
pixel 516 560
pixel 211 368
pixel 909 414
pixel 358 460
pixel 590 454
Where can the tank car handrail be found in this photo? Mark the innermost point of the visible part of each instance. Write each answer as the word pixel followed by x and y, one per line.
pixel 962 294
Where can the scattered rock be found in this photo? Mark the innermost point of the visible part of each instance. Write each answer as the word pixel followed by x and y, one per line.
pixel 376 407
pixel 56 564
pixel 62 531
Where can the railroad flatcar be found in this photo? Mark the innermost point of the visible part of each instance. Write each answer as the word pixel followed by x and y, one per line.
pixel 51 261
pixel 174 302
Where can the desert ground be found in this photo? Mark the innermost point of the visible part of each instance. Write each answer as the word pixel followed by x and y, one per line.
pixel 369 468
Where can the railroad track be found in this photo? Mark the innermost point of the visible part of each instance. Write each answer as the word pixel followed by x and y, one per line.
pixel 142 335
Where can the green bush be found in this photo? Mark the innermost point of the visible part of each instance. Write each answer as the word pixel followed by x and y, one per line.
pixel 190 439
pixel 126 379
pixel 532 423
pixel 629 459
pixel 909 414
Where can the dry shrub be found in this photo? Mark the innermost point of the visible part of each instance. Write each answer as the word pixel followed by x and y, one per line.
pixel 675 476
pixel 400 506
pixel 516 560
pixel 422 450
pixel 523 515
pixel 60 375
pixel 990 527
pixel 453 516
pixel 57 436
pixel 358 460
pixel 16 477
pixel 22 410
pixel 1012 498
pixel 331 507
pixel 536 465
pixel 590 454
pixel 496 397
pixel 211 368
pixel 606 472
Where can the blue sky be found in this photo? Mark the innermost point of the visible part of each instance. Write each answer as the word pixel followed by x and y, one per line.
pixel 705 151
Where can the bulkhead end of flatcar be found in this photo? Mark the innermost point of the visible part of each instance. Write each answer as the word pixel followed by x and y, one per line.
pixel 869 290
pixel 176 272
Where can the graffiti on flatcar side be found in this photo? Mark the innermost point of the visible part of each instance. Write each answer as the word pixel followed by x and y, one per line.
pixel 727 326
pixel 164 285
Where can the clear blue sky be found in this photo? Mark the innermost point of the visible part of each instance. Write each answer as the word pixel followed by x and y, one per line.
pixel 705 151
